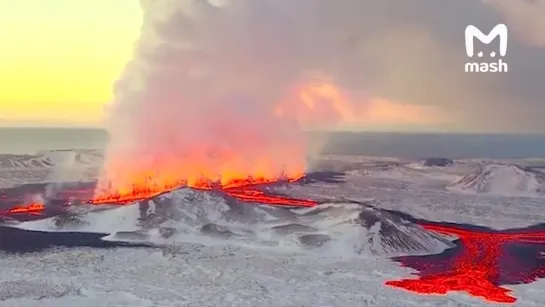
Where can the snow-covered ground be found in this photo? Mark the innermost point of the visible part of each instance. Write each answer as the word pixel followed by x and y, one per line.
pixel 196 271
pixel 426 192
pixel 333 229
pixel 502 180
pixel 213 276
pixel 204 276
pixel 56 165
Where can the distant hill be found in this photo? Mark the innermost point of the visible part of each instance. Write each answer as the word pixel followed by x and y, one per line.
pixel 504 180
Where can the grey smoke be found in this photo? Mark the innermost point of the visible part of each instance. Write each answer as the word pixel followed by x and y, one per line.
pixel 207 75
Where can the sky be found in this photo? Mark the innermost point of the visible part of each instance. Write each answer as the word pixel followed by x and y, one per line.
pixel 61 58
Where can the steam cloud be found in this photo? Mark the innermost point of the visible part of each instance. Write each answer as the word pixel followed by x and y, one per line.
pixel 227 86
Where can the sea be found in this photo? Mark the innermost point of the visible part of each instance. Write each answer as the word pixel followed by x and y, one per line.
pixel 34 140
pixel 383 144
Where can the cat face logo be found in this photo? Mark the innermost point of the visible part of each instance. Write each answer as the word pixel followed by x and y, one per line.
pixel 473 33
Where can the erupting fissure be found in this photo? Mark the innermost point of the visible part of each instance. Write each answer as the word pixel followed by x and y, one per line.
pixel 247 190
pixel 150 187
pixel 249 194
pixel 32 209
pixel 242 189
pixel 476 268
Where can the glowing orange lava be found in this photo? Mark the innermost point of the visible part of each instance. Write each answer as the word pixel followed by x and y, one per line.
pixel 152 188
pixel 250 194
pixel 244 190
pixel 33 209
pixel 476 269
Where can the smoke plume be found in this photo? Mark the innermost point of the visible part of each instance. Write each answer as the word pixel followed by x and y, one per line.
pixel 222 90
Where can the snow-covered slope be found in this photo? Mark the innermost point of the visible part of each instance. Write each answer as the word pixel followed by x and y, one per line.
pixel 502 180
pixel 50 159
pixel 187 216
pixel 47 166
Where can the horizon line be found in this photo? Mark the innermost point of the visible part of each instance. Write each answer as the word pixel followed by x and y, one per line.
pixel 362 131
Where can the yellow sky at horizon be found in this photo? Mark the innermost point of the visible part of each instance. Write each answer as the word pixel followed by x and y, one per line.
pixel 59 58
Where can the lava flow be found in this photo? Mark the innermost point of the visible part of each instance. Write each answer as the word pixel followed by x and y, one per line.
pixel 150 188
pixel 251 194
pixel 479 267
pixel 32 209
pixel 244 190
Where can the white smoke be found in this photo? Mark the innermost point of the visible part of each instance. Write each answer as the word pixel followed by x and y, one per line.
pixel 215 87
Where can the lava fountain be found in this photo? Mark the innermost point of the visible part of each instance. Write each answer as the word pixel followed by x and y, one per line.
pixel 246 191
pixel 208 100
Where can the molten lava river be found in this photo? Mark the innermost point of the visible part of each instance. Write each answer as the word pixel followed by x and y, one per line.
pixel 250 190
pixel 484 260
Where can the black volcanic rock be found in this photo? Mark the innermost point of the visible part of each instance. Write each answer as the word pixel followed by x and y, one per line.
pixel 314 240
pixel 13 240
pixel 292 228
pixel 441 162
pixel 390 233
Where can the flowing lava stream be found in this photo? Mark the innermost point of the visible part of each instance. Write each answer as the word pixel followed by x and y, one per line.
pixel 256 196
pixel 32 209
pixel 244 190
pixel 476 268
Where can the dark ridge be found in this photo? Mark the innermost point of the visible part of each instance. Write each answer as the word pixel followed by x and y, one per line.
pixel 466 226
pixel 323 177
pixel 13 240
pixel 442 162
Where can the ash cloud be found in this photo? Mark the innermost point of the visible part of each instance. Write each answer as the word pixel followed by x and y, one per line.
pixel 208 75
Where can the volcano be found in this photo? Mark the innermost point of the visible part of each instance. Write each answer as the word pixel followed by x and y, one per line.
pixel 187 214
pixel 480 262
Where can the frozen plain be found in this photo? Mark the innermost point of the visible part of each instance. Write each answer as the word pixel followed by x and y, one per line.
pixel 209 274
